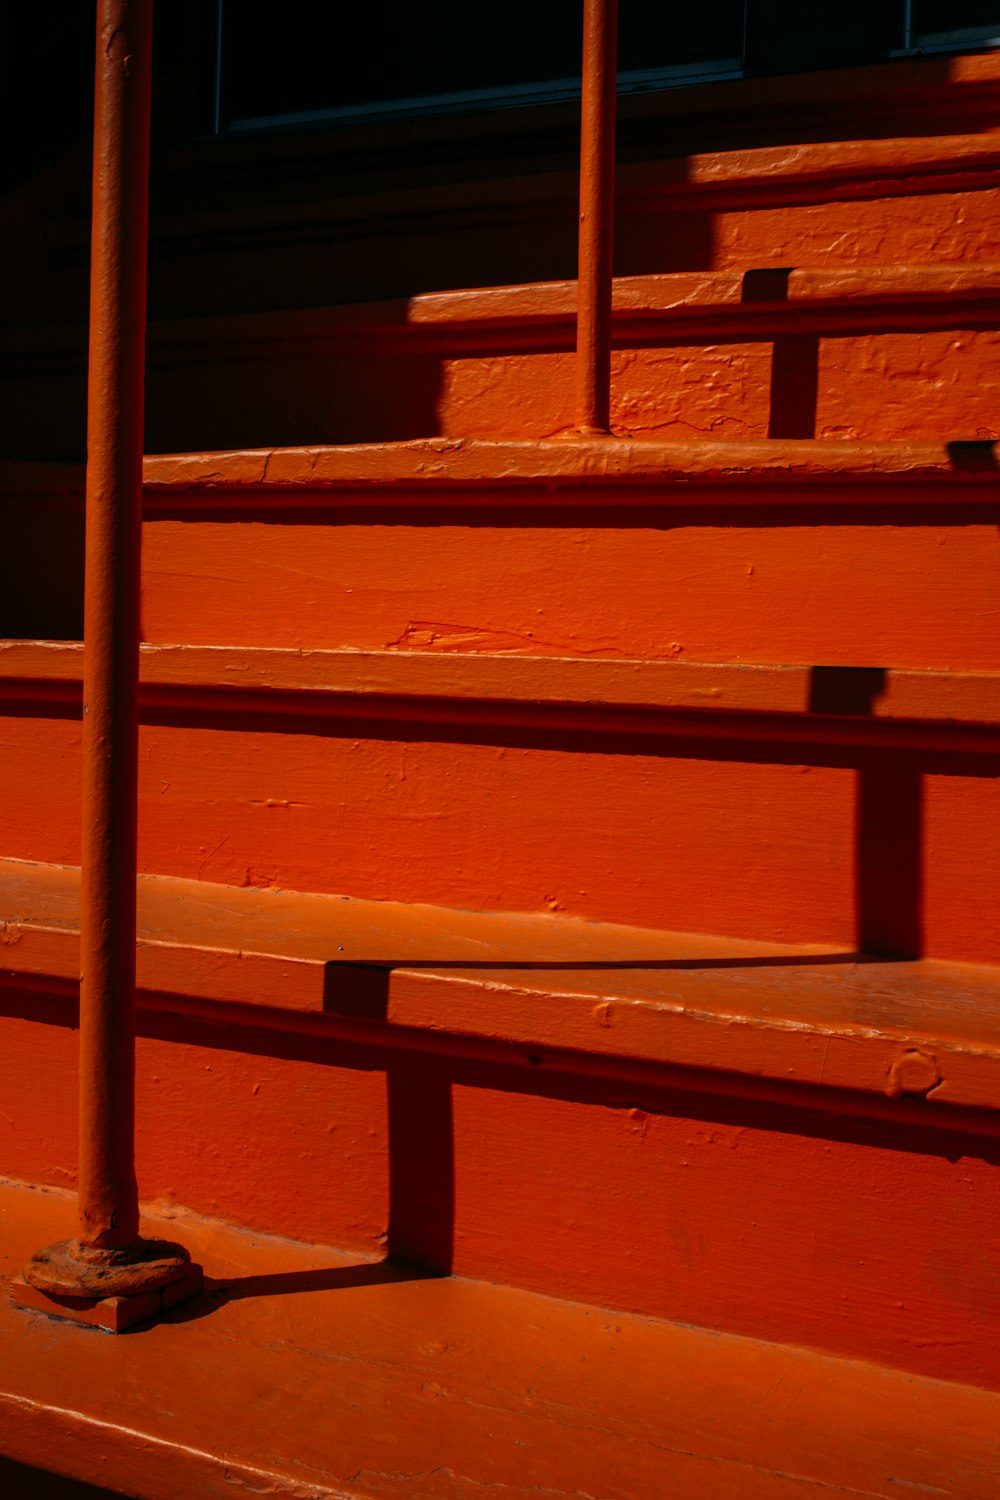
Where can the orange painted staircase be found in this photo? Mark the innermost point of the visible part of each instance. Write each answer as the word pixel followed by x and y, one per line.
pixel 570 866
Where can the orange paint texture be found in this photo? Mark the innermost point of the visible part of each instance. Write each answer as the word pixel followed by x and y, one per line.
pixel 875 385
pixel 488 1386
pixel 895 851
pixel 408 642
pixel 765 1221
pixel 729 587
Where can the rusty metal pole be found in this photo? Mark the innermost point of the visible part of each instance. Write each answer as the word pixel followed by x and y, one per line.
pixel 109 1202
pixel 109 1257
pixel 597 211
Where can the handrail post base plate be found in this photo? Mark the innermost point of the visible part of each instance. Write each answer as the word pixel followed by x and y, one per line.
pixel 107 1289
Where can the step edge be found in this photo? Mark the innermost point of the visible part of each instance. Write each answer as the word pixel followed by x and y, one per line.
pixel 685 298
pixel 555 464
pixel 47 1421
pixel 551 471
pixel 497 1005
pixel 900 163
pixel 791 700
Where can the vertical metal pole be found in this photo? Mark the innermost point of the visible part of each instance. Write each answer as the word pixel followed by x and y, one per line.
pixel 108 1196
pixel 597 207
pixel 109 1260
pixel 109 1208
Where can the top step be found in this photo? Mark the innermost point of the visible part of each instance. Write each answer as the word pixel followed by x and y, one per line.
pixel 929 196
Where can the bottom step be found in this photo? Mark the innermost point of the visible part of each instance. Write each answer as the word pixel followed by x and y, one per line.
pixel 305 1373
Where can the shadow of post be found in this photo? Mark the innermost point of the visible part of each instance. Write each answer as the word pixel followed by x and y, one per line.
pixel 888 822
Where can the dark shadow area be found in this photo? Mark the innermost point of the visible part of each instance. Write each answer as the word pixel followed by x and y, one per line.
pixel 766 284
pixel 764 111
pixel 421 1164
pixel 320 396
pixel 40 120
pixel 888 822
pixel 41 581
pixel 889 860
pixel 978 457
pixel 532 509
pixel 656 244
pixel 794 386
pixel 21 1482
pixel 324 1279
pixel 760 322
pixel 845 690
pixel 46 705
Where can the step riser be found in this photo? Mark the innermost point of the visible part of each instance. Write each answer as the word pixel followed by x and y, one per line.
pixel 923 229
pixel 878 386
pixel 894 851
pixel 701 584
pixel 706 586
pixel 897 386
pixel 196 270
pixel 735 1215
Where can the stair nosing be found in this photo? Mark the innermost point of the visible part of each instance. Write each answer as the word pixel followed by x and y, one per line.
pixel 573 467
pixel 924 708
pixel 825 1019
pixel 690 303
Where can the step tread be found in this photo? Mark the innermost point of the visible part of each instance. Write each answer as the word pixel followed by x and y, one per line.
pixel 891 695
pixel 304 1372
pixel 688 299
pixel 542 984
pixel 559 463
pixel 574 466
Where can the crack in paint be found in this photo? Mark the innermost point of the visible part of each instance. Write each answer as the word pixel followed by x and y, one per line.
pixel 480 1484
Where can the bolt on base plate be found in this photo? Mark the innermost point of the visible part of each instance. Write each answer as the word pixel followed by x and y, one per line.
pixel 110 1289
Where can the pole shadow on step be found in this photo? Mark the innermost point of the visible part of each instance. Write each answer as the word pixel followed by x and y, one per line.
pixel 888 821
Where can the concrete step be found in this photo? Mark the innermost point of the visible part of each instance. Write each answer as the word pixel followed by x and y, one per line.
pixel 305 1372
pixel 878 353
pixel 849 806
pixel 762 1125
pixel 611 561
pixel 834 553
pixel 292 229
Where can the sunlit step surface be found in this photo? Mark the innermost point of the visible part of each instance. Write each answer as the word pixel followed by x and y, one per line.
pixel 303 1372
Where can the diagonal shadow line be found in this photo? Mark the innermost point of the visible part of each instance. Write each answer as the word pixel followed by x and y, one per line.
pixel 360 989
pixel 218 1291
pixel 322 1279
pixel 375 965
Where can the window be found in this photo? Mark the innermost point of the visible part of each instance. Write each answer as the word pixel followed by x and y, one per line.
pixel 387 59
pixel 310 62
pixel 943 25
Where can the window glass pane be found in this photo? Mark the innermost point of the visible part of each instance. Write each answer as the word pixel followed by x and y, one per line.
pixel 384 50
pixel 311 57
pixel 663 34
pixel 787 36
pixel 308 56
pixel 957 20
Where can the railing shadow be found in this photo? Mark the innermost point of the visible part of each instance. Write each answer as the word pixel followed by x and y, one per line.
pixel 221 1290
pixel 359 988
